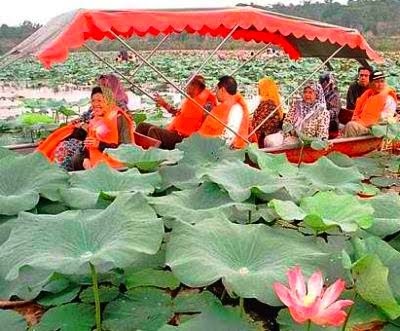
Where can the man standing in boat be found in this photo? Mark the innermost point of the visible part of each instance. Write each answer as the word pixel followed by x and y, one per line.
pixel 376 104
pixel 232 111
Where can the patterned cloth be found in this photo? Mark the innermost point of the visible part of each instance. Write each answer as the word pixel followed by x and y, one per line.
pixel 309 119
pixel 272 125
pixel 67 152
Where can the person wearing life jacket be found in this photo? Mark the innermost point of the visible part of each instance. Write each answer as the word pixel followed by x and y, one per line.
pixel 187 119
pixel 376 104
pixel 66 145
pixel 232 112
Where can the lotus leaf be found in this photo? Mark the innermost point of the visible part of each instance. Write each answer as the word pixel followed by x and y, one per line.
pixel 371 281
pixel 4 152
pixel 106 294
pixel 86 186
pixel 195 205
pixel 70 317
pixel 248 258
pixel 24 179
pixel 326 175
pixel 386 214
pixel 344 211
pixel 149 309
pixel 287 210
pixel 216 318
pixel 57 299
pixel 145 160
pixel 151 277
pixel 68 242
pixel 385 181
pixel 11 320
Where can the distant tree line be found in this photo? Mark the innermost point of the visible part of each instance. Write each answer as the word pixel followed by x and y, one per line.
pixel 377 19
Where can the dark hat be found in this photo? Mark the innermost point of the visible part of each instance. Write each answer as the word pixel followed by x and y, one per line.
pixel 377 75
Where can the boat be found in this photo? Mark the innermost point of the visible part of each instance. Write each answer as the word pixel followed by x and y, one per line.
pixel 298 37
pixel 353 147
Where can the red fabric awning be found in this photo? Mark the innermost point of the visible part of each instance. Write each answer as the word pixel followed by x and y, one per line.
pixel 297 37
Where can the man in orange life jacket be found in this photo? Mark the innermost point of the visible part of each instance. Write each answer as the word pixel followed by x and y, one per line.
pixel 376 104
pixel 187 120
pixel 232 111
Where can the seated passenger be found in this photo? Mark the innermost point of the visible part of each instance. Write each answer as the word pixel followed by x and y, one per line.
pixel 308 116
pixel 232 111
pixel 66 145
pixel 270 99
pixel 377 104
pixel 332 99
pixel 187 120
pixel 357 88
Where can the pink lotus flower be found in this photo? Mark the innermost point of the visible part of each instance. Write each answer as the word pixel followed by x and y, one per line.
pixel 311 302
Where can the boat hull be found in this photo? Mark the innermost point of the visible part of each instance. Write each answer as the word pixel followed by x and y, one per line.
pixel 352 147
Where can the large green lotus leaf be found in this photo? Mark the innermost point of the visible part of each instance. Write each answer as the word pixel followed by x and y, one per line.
pixel 4 152
pixel 344 211
pixel 326 175
pixel 203 152
pixel 369 166
pixel 389 257
pixel 151 277
pixel 70 317
pixel 341 160
pixel 27 286
pixel 287 210
pixel 68 242
pixel 248 258
pixel 371 281
pixel 241 180
pixel 218 318
pixel 145 160
pixel 57 299
pixel 106 294
pixel 86 186
pixel 385 181
pixel 276 163
pixel 181 176
pixel 150 308
pixel 386 214
pixel 12 321
pixel 23 179
pixel 192 206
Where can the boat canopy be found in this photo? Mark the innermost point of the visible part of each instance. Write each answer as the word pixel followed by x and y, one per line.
pixel 297 37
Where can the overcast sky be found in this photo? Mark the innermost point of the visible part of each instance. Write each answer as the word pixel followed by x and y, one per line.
pixel 14 12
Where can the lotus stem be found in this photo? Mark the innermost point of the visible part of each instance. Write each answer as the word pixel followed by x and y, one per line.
pixel 241 305
pixel 95 287
pixel 309 326
pixel 350 311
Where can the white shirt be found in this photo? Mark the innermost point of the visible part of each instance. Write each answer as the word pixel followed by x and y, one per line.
pixel 234 120
pixel 389 110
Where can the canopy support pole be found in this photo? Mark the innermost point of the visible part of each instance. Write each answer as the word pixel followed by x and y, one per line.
pixel 295 90
pixel 176 87
pixel 150 55
pixel 119 72
pixel 229 35
pixel 262 50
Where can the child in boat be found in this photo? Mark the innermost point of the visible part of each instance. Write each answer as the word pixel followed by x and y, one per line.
pixel 308 116
pixel 269 106
pixel 187 119
pixel 332 99
pixel 376 104
pixel 68 145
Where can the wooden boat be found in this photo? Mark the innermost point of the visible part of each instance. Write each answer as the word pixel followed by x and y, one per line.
pixel 352 147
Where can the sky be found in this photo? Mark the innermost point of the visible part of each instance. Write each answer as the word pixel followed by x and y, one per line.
pixel 14 12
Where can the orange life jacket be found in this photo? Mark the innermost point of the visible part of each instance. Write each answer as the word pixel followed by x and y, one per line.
pixel 105 129
pixel 212 128
pixel 369 106
pixel 191 116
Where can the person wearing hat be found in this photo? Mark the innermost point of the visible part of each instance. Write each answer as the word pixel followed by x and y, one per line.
pixel 186 120
pixel 376 104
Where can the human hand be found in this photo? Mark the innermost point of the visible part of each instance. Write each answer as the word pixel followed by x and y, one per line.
pixel 86 164
pixel 160 101
pixel 91 143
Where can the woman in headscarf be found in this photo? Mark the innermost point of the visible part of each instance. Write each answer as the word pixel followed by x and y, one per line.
pixel 332 99
pixel 270 105
pixel 308 117
pixel 68 146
